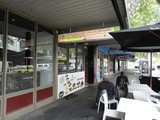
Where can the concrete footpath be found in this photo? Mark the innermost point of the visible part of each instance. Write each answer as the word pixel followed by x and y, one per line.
pixel 77 106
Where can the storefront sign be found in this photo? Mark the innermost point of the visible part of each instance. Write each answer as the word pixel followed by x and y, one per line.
pixel 69 83
pixel 125 57
pixel 98 34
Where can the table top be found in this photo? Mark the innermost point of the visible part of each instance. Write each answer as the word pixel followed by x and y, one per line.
pixel 138 110
pixel 143 87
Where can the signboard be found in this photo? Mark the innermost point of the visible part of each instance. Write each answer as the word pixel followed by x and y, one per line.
pixel 69 83
pixel 98 34
pixel 125 57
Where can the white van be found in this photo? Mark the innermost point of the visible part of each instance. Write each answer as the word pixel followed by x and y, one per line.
pixel 44 66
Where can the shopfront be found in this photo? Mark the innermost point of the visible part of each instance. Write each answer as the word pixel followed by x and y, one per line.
pixel 71 75
pixel 110 61
pixel 95 63
pixel 37 67
pixel 102 65
pixel 26 80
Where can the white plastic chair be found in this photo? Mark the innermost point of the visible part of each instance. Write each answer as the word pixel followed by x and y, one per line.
pixel 101 100
pixel 109 112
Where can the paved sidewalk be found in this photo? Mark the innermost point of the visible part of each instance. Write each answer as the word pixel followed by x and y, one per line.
pixel 77 106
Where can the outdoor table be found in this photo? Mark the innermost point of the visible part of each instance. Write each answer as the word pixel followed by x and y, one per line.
pixel 142 87
pixel 138 110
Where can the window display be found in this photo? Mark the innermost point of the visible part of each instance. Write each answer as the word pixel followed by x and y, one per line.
pixel 19 54
pixel 44 57
pixel 62 59
pixel 70 58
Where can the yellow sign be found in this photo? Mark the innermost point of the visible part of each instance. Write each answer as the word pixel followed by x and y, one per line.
pixel 62 58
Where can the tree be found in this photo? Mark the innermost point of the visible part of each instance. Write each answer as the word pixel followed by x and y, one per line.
pixel 143 12
pixel 143 55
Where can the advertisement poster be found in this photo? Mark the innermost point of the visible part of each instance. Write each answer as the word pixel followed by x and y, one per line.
pixel 69 83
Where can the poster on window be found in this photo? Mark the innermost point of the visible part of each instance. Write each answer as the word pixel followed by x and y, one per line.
pixel 69 83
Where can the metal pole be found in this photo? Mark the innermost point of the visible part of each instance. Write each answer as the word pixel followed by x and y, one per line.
pixel 55 64
pixel 108 62
pixel 35 66
pixel 5 39
pixel 151 70
pixel 76 50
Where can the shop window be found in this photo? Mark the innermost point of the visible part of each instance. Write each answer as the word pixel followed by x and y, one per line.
pixel 100 65
pixel 116 65
pixel 72 58
pixel 1 46
pixel 111 63
pixel 80 58
pixel 105 63
pixel 44 57
pixel 62 59
pixel 19 54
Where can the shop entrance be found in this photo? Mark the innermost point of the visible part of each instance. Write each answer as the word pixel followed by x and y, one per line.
pixel 89 64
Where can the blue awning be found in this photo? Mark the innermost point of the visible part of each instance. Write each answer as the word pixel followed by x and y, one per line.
pixel 119 54
pixel 103 48
pixel 107 50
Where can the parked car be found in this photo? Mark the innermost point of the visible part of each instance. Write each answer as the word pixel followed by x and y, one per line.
pixel 22 68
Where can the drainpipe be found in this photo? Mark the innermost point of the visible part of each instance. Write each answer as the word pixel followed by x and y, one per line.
pixel 151 70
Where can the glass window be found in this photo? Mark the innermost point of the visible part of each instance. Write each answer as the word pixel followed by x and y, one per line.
pixel 72 58
pixel 62 59
pixel 1 46
pixel 100 65
pixel 105 63
pixel 19 54
pixel 116 65
pixel 44 57
pixel 67 55
pixel 111 64
pixel 80 58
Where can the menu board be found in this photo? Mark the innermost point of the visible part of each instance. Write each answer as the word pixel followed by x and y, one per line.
pixel 69 83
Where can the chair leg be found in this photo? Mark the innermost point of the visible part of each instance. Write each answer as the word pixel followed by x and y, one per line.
pixel 99 103
pixel 104 116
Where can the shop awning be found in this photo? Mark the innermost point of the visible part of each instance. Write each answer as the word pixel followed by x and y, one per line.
pixel 107 50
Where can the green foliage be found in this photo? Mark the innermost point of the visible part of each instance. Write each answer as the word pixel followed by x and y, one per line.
pixel 143 12
pixel 132 60
pixel 141 55
pixel 145 55
pixel 157 55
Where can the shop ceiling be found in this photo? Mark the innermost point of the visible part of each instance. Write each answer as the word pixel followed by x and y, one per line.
pixel 72 15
